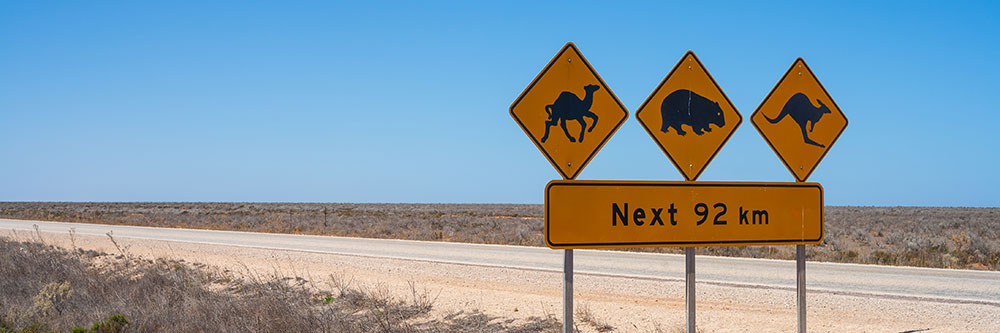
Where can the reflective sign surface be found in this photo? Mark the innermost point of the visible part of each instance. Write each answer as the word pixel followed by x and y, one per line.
pixel 568 112
pixel 596 214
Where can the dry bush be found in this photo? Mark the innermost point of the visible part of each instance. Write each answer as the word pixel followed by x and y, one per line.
pixel 153 295
pixel 493 224
pixel 585 316
pixel 48 288
pixel 947 237
pixel 940 237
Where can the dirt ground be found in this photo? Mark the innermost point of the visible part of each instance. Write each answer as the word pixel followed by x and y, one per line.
pixel 627 305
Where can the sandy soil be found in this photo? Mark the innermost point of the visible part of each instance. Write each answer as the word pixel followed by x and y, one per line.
pixel 628 305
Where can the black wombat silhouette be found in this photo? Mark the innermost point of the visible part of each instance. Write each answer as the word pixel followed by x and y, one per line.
pixel 569 107
pixel 803 112
pixel 684 107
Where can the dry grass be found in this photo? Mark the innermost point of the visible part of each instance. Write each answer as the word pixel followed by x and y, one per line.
pixel 48 288
pixel 584 315
pixel 966 238
pixel 495 224
pixel 940 237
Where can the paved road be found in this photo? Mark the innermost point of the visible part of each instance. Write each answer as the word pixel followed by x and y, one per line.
pixel 938 285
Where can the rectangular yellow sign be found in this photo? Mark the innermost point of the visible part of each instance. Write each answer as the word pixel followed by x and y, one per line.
pixel 606 214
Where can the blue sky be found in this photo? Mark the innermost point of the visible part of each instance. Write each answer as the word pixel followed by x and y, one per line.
pixel 408 102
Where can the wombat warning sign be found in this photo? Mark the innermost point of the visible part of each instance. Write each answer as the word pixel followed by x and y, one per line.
pixel 689 116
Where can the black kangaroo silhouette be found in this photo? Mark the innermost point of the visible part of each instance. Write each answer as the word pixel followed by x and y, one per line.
pixel 569 107
pixel 803 112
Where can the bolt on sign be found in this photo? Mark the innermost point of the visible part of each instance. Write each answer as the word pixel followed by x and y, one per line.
pixel 799 120
pixel 608 214
pixel 689 116
pixel 568 111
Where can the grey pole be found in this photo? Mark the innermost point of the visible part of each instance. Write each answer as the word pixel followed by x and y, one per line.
pixel 568 291
pixel 689 285
pixel 800 288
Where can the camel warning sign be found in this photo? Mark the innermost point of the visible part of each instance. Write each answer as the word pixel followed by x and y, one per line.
pixel 689 116
pixel 602 214
pixel 799 120
pixel 568 111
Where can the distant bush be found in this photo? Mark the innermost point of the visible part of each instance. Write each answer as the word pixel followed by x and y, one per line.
pixel 114 324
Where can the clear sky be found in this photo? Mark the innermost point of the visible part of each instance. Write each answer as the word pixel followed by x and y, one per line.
pixel 408 102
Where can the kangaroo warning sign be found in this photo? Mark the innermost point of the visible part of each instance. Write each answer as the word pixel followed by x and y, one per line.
pixel 689 116
pixel 605 214
pixel 799 120
pixel 568 111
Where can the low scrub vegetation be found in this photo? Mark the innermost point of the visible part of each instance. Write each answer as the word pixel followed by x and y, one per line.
pixel 495 224
pixel 944 237
pixel 44 288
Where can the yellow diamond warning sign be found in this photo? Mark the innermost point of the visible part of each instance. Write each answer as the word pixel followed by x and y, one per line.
pixel 568 111
pixel 799 120
pixel 689 116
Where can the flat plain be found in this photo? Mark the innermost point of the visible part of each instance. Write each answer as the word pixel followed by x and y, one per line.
pixel 939 237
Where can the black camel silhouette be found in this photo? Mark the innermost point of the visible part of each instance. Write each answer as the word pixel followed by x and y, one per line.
pixel 569 107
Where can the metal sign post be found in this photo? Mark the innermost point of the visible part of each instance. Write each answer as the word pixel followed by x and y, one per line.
pixel 800 288
pixel 568 291
pixel 689 287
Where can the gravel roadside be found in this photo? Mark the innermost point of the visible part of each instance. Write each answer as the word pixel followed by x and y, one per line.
pixel 622 303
